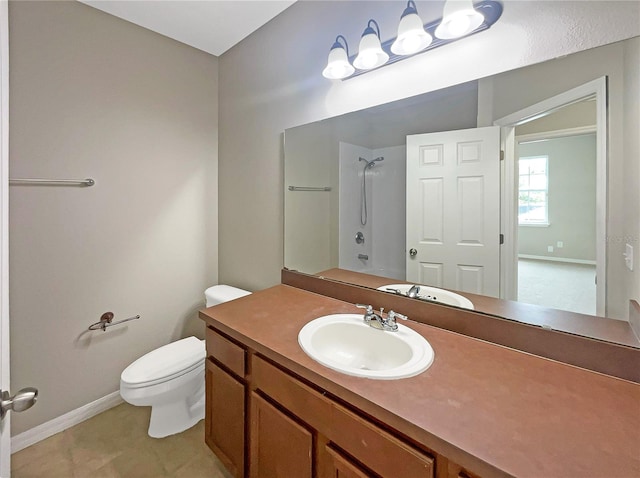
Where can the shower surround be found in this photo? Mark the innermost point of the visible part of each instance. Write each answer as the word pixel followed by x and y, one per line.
pixel 384 231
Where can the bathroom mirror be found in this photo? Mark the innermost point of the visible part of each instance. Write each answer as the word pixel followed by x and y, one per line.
pixel 346 188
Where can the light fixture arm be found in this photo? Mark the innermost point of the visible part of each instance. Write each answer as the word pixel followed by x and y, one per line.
pixel 369 29
pixel 411 8
pixel 337 44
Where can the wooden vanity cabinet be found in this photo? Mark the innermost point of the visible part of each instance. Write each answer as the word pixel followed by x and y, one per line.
pixel 264 422
pixel 340 427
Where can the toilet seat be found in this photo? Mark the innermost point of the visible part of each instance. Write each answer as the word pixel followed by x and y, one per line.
pixel 165 363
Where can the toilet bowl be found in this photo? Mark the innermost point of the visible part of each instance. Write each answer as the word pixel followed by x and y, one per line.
pixel 170 379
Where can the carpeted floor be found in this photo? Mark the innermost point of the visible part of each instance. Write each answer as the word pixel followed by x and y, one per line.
pixel 559 285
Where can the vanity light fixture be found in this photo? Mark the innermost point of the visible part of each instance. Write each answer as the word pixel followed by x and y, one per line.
pixel 338 66
pixel 412 37
pixel 460 18
pixel 370 53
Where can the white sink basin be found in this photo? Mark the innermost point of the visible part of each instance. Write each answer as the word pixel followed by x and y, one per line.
pixel 343 342
pixel 431 294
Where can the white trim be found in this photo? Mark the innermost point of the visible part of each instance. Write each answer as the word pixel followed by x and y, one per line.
pixel 560 133
pixel 61 423
pixel 598 89
pixel 602 180
pixel 5 427
pixel 509 216
pixel 556 259
pixel 553 104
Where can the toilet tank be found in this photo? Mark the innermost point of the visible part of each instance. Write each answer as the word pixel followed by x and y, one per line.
pixel 223 293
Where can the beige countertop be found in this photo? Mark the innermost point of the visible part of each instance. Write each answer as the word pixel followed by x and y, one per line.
pixel 493 410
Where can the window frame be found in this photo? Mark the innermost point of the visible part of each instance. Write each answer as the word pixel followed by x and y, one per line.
pixel 541 223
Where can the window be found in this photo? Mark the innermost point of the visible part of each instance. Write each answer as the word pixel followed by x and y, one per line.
pixel 533 205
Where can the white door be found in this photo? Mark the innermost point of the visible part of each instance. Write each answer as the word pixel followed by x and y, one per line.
pixel 453 210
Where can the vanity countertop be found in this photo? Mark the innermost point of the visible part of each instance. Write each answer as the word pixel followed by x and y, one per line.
pixel 494 410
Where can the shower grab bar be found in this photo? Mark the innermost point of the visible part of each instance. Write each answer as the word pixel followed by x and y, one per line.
pixel 106 321
pixel 305 188
pixel 60 182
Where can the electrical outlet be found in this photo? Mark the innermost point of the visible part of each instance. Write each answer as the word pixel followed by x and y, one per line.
pixel 559 244
pixel 549 248
pixel 628 256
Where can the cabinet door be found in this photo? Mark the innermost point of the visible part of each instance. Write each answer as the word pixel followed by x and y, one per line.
pixel 280 447
pixel 339 466
pixel 225 418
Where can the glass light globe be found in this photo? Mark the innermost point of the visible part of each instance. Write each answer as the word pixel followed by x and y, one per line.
pixel 459 19
pixel 412 37
pixel 338 66
pixel 370 53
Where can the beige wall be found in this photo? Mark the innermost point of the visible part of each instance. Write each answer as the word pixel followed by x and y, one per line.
pixel 272 81
pixel 95 96
pixel 571 200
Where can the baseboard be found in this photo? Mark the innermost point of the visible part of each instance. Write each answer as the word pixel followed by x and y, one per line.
pixel 61 423
pixel 556 259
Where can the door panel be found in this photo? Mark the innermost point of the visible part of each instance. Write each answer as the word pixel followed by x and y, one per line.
pixel 431 274
pixel 453 209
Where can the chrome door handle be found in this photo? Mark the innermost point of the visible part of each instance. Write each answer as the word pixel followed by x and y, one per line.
pixel 20 402
pixel 413 252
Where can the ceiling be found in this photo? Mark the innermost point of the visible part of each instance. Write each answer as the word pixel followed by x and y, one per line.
pixel 213 26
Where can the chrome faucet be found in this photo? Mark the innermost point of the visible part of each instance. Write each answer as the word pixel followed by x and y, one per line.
pixel 377 321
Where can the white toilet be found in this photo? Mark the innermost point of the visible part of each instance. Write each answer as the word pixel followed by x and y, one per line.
pixel 170 379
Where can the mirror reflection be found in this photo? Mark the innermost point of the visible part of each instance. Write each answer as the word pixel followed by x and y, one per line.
pixel 415 191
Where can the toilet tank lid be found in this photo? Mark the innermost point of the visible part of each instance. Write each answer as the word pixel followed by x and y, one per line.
pixel 223 293
pixel 165 362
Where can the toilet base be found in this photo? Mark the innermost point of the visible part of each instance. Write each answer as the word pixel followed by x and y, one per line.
pixel 171 418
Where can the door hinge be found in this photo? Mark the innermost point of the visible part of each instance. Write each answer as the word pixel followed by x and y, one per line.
pixel 501 155
pixel 501 239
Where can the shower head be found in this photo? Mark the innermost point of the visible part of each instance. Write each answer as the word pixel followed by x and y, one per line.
pixel 371 163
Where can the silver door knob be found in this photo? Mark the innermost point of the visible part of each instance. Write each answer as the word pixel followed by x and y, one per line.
pixel 20 402
pixel 413 252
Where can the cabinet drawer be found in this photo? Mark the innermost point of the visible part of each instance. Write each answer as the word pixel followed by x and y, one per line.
pixel 226 352
pixel 339 466
pixel 379 450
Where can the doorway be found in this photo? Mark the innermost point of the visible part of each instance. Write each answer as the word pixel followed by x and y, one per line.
pixel 539 217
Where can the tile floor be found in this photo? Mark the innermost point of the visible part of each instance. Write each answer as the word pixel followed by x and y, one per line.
pixel 115 444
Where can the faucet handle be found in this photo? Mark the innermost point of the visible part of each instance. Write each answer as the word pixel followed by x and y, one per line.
pixel 369 308
pixel 395 315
